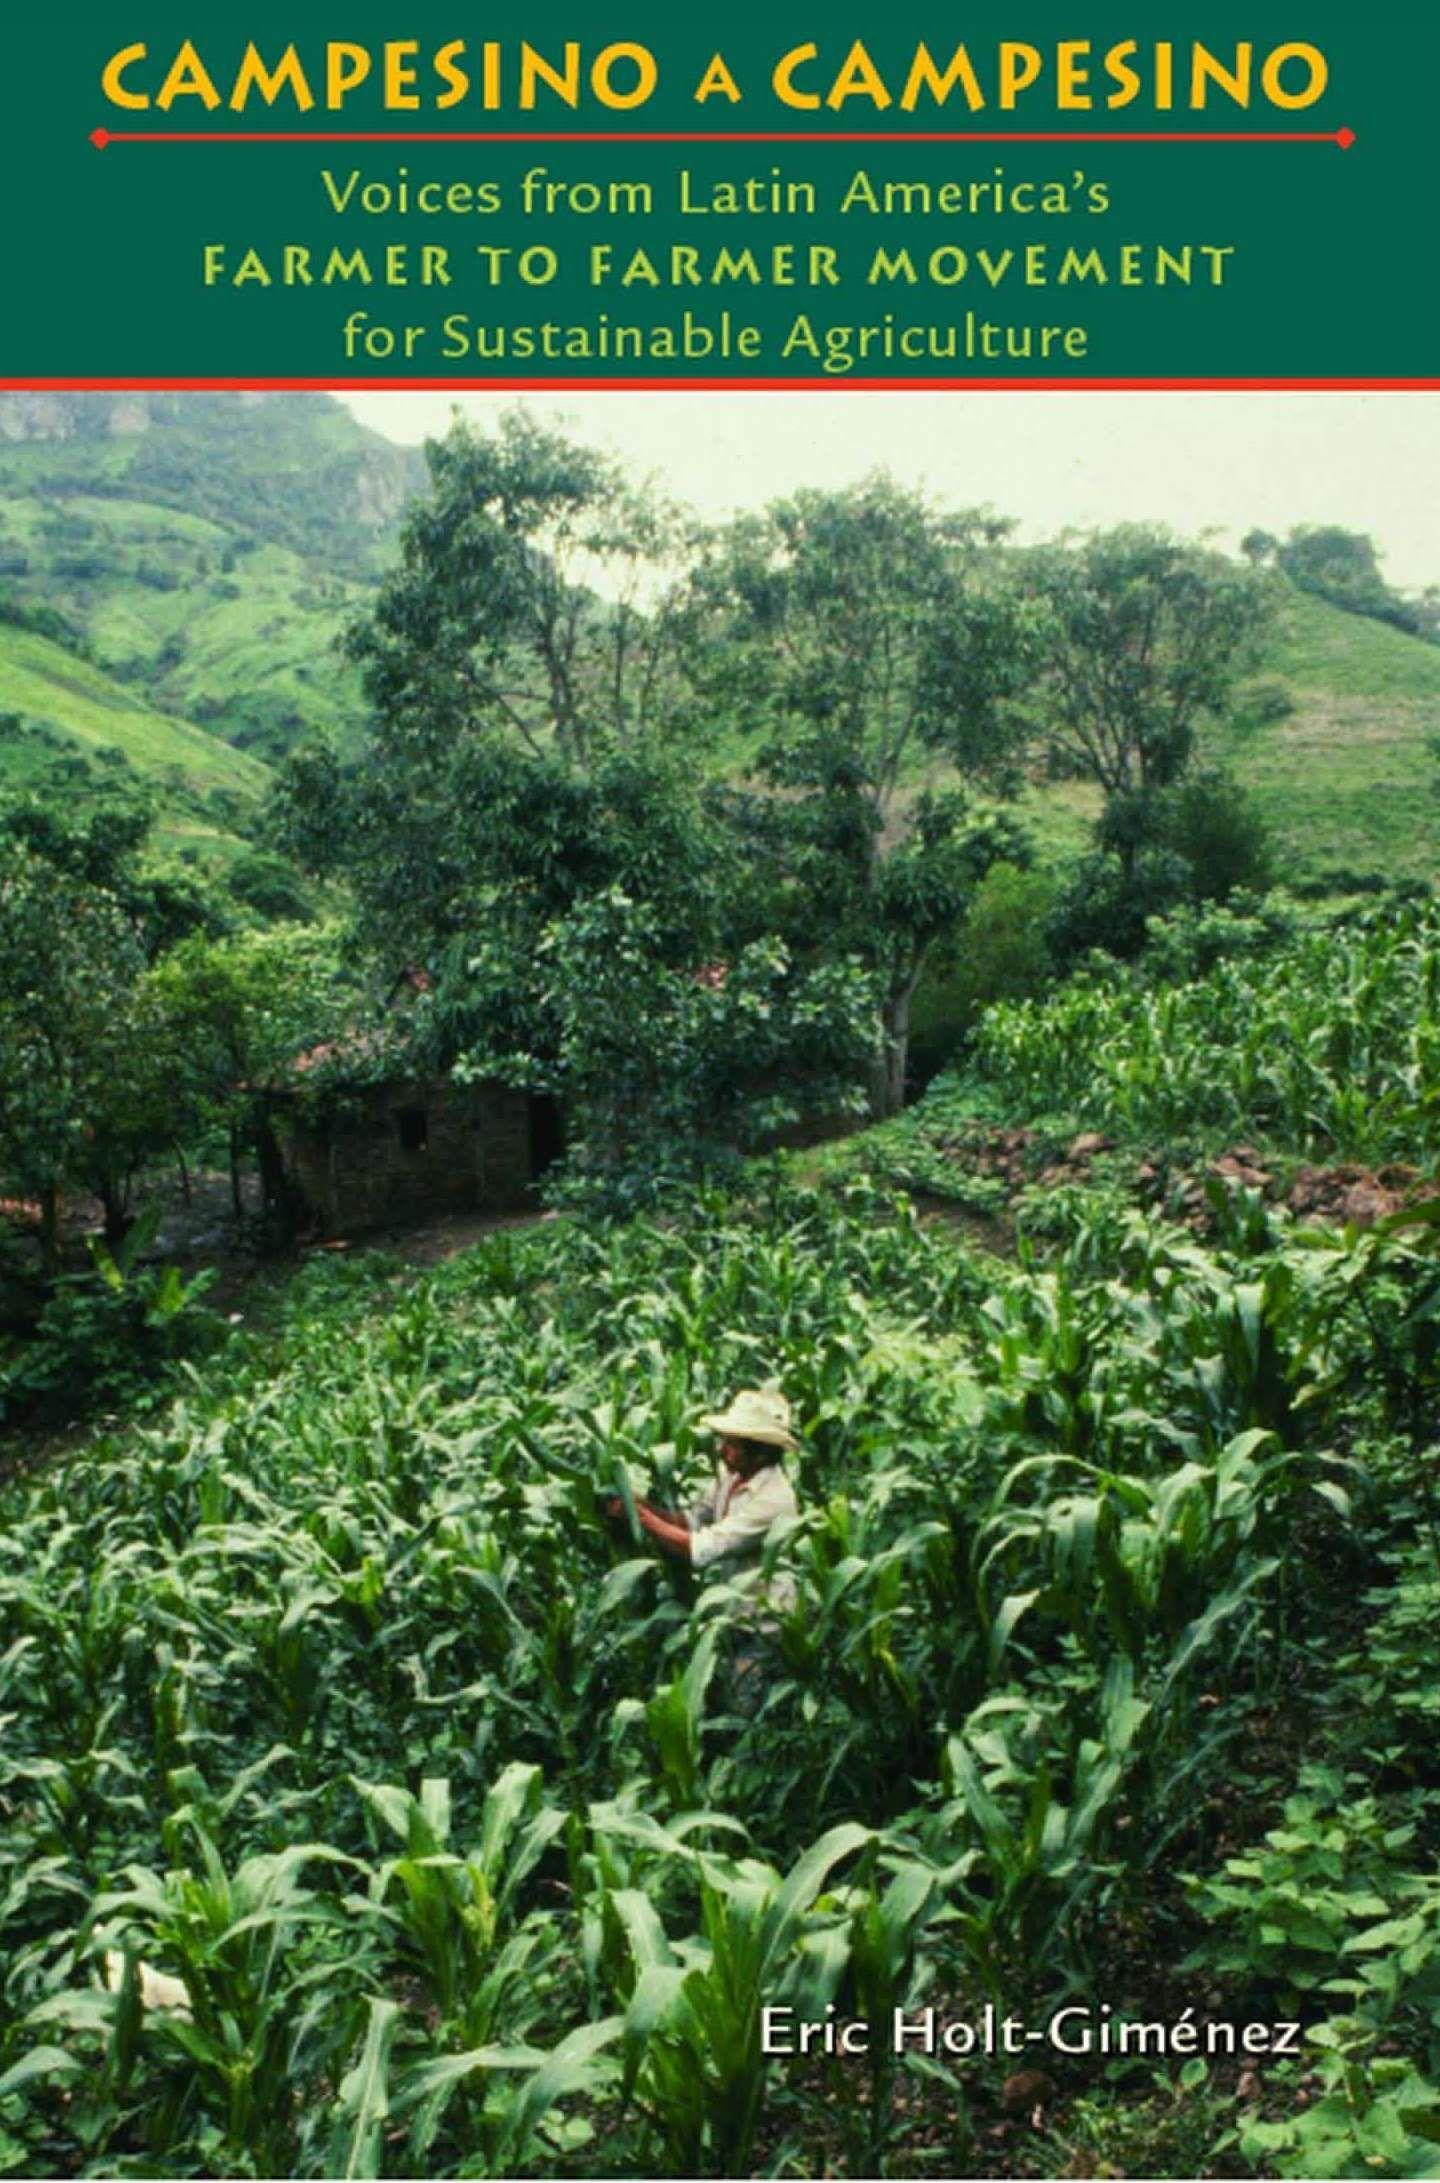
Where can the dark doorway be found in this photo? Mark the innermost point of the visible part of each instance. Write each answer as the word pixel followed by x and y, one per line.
pixel 413 1127
pixel 547 1133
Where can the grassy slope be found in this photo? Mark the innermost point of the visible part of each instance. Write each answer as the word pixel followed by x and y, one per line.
pixel 1346 781
pixel 181 763
pixel 237 639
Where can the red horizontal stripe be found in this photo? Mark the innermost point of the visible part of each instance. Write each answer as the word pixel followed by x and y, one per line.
pixel 711 386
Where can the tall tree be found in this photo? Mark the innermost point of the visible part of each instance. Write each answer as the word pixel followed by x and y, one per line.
pixel 1146 639
pixel 82 1072
pixel 519 665
pixel 528 601
pixel 667 1072
pixel 869 643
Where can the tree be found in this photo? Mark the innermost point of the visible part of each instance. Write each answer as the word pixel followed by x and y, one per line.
pixel 668 1072
pixel 82 1070
pixel 525 768
pixel 527 601
pixel 865 640
pixel 1209 819
pixel 1344 567
pixel 519 663
pixel 237 1012
pixel 1147 639
pixel 269 886
pixel 103 843
pixel 999 952
pixel 1201 839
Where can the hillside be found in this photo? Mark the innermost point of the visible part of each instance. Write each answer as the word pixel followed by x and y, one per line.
pixel 296 470
pixel 233 633
pixel 1346 781
pixel 1343 780
pixel 64 720
pixel 209 549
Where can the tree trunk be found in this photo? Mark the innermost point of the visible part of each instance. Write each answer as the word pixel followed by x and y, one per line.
pixel 284 1206
pixel 50 1230
pixel 112 1197
pixel 887 1095
pixel 181 1162
pixel 237 1200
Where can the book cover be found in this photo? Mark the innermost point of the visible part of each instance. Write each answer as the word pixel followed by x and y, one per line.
pixel 719 1012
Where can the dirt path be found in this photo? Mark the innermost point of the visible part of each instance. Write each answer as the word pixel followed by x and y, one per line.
pixel 433 1241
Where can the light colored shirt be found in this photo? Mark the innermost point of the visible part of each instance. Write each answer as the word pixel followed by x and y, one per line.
pixel 732 1523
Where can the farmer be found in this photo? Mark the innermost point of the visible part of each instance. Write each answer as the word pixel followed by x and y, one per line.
pixel 750 1494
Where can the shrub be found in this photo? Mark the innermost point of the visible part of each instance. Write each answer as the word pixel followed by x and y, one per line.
pixel 1103 906
pixel 1199 840
pixel 108 1333
pixel 1000 953
pixel 1210 821
pixel 271 887
pixel 1265 703
pixel 1192 939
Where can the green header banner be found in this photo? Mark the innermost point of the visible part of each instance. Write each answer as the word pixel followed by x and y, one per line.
pixel 905 195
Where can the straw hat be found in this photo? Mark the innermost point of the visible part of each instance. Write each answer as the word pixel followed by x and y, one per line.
pixel 756 1413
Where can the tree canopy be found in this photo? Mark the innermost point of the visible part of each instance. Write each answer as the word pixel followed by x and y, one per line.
pixel 81 1065
pixel 1145 639
pixel 529 601
pixel 870 643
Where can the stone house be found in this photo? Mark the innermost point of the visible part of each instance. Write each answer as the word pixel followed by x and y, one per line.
pixel 389 1153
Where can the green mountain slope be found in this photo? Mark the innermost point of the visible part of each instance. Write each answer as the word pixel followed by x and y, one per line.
pixel 296 470
pixel 235 633
pixel 1344 780
pixel 65 726
pixel 1347 779
pixel 209 548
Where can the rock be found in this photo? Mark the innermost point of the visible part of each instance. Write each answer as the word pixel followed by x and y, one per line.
pixel 1363 1204
pixel 1026 2090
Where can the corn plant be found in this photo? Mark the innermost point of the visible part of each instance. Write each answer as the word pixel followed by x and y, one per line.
pixel 694 2062
pixel 327 1697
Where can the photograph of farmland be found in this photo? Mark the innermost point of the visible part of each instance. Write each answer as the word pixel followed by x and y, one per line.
pixel 719 1286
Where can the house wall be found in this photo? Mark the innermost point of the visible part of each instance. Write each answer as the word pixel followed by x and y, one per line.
pixel 359 1172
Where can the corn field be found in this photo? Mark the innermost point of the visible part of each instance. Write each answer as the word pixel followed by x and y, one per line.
pixel 368 1806
pixel 1330 1044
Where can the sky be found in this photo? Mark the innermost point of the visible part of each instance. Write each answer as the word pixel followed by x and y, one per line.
pixel 1220 463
